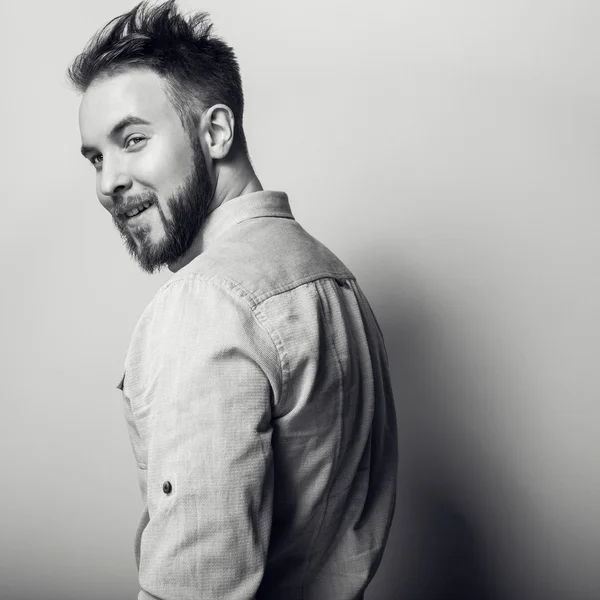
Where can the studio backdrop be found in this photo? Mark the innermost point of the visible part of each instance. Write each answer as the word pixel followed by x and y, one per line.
pixel 448 153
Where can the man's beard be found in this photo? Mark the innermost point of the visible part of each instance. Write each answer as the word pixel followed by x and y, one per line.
pixel 188 207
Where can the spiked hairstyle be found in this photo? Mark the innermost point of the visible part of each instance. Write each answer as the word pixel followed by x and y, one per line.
pixel 199 68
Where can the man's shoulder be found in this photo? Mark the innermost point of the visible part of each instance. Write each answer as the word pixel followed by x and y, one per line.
pixel 262 257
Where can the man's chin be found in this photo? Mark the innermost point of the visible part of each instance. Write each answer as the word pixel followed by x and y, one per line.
pixel 146 256
pixel 151 258
pixel 149 266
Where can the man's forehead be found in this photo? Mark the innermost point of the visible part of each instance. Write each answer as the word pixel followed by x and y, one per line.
pixel 107 100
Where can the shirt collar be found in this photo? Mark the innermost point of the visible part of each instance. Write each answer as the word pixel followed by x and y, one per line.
pixel 264 203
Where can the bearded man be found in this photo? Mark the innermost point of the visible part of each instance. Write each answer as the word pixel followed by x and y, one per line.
pixel 256 385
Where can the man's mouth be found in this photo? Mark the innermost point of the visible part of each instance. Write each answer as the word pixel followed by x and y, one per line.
pixel 136 210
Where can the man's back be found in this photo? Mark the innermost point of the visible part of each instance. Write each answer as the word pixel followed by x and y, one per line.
pixel 257 388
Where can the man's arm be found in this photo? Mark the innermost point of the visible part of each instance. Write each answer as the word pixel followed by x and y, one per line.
pixel 205 372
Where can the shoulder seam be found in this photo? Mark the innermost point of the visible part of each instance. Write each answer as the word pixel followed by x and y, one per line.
pixel 244 294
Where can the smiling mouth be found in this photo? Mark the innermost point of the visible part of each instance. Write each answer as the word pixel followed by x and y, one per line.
pixel 137 210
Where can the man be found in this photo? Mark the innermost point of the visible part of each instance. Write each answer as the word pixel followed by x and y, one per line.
pixel 256 385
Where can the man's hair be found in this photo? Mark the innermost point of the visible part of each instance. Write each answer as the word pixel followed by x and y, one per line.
pixel 200 69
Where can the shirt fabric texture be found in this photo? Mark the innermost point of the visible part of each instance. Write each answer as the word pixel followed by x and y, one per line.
pixel 257 385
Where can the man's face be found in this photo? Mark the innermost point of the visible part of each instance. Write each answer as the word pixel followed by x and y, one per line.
pixel 149 175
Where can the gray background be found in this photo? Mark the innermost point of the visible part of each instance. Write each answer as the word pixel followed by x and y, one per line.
pixel 448 153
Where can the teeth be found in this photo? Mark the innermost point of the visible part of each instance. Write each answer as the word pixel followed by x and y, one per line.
pixel 138 209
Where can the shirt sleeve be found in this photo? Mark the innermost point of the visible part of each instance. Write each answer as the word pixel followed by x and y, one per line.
pixel 204 375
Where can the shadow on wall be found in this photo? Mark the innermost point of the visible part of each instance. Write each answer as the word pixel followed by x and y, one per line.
pixel 436 549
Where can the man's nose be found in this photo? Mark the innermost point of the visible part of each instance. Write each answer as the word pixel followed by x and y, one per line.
pixel 113 181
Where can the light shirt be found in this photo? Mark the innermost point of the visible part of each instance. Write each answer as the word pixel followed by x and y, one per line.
pixel 260 412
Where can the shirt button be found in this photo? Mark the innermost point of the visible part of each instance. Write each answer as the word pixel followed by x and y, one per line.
pixel 167 487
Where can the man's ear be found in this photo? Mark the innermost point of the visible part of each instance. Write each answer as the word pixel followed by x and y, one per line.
pixel 218 126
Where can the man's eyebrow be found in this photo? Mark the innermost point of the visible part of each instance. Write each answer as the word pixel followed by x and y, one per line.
pixel 117 129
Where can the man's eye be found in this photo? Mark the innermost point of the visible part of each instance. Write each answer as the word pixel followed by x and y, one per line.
pixel 136 139
pixel 96 159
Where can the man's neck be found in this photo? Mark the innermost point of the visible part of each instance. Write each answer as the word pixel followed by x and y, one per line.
pixel 237 184
pixel 232 180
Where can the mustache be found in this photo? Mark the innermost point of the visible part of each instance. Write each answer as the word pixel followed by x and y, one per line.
pixel 126 204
